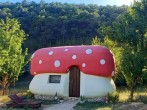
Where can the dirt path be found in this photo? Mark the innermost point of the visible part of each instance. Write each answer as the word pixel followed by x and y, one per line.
pixel 67 105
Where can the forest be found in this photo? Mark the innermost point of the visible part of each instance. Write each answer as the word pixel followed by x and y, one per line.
pixel 56 24
pixel 123 29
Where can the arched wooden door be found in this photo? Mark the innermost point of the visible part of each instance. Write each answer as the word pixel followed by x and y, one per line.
pixel 74 82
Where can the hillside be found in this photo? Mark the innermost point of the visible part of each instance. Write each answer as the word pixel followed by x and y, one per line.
pixel 56 24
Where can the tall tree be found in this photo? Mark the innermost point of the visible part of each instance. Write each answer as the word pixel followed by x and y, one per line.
pixel 133 64
pixel 131 29
pixel 12 56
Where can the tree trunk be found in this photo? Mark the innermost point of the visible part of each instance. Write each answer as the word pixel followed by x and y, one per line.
pixel 132 92
pixel 133 88
pixel 4 90
pixel 5 84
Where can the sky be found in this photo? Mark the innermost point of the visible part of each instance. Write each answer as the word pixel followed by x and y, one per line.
pixel 98 2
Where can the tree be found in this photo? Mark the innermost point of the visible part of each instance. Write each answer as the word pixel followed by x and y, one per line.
pixel 52 24
pixel 132 65
pixel 42 2
pixel 130 29
pixel 25 2
pixel 12 56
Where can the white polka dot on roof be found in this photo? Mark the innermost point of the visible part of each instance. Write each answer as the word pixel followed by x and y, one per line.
pixel 35 73
pixel 83 65
pixel 102 61
pixel 74 57
pixel 57 63
pixel 113 73
pixel 33 55
pixel 40 61
pixel 66 50
pixel 88 51
pixel 51 53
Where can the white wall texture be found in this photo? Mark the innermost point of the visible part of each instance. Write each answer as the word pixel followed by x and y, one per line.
pixel 40 85
pixel 95 86
pixel 90 85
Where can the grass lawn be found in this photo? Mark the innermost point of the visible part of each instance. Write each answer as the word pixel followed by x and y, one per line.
pixel 123 96
pixel 124 93
pixel 93 106
pixel 18 88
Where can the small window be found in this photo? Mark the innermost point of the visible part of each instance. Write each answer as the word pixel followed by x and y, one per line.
pixel 54 78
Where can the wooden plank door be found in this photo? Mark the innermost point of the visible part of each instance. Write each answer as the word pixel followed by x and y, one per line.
pixel 74 82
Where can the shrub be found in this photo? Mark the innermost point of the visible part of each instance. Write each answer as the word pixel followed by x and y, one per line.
pixel 114 97
pixel 29 95
pixel 82 98
pixel 142 98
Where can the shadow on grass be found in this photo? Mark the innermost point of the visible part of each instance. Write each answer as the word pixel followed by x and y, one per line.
pixel 143 98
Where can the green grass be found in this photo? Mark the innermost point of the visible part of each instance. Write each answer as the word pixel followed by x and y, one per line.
pixel 20 87
pixel 17 89
pixel 123 98
pixel 93 106
pixel 124 93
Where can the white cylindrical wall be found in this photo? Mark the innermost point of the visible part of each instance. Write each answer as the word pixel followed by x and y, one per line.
pixel 90 85
pixel 95 86
pixel 40 85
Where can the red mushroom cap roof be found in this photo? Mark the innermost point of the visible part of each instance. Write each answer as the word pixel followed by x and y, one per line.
pixel 93 60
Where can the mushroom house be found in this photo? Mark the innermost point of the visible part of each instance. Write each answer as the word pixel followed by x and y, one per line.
pixel 73 71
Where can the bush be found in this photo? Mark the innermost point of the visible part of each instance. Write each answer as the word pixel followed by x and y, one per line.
pixel 93 106
pixel 120 80
pixel 114 97
pixel 142 98
pixel 48 102
pixel 29 95
pixel 82 98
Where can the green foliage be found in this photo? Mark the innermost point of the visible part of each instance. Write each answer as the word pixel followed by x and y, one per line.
pixel 130 31
pixel 12 57
pixel 26 107
pixel 93 106
pixel 49 102
pixel 29 95
pixel 82 98
pixel 120 79
pixel 114 97
pixel 54 24
pixel 143 98
pixel 96 41
pixel 132 66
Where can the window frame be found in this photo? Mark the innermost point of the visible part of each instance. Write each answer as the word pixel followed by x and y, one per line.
pixel 53 79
